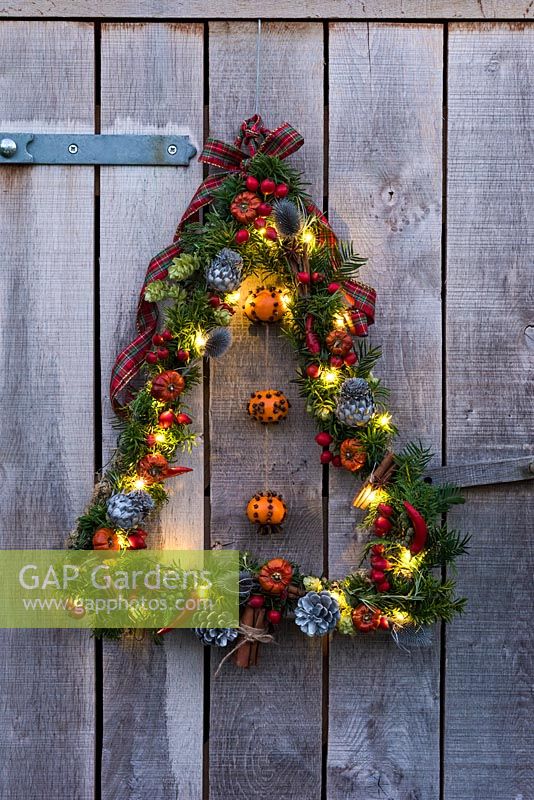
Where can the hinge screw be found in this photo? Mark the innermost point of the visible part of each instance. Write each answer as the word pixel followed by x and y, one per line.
pixel 171 149
pixel 73 149
pixel 8 148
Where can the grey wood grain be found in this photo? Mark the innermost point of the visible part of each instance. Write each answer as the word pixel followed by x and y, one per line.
pixel 266 722
pixel 490 297
pixel 385 193
pixel 153 696
pixel 273 9
pixel 46 235
pixel 485 473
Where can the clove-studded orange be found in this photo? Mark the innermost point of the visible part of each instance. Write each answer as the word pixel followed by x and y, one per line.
pixel 267 510
pixel 269 405
pixel 265 304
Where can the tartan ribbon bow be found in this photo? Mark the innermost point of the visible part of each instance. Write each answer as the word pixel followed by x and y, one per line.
pixel 253 136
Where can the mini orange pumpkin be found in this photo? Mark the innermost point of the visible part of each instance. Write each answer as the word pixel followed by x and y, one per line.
pixel 353 455
pixel 365 619
pixel 265 304
pixel 167 386
pixel 105 539
pixel 267 510
pixel 339 343
pixel 269 405
pixel 244 206
pixel 275 576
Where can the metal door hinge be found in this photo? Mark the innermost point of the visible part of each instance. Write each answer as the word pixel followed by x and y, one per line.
pixel 95 149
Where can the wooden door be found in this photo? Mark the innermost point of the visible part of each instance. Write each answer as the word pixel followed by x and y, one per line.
pixel 419 146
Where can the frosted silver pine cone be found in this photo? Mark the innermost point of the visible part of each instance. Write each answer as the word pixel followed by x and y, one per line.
pixel 287 217
pixel 129 510
pixel 224 272
pixel 355 404
pixel 220 637
pixel 317 613
pixel 219 341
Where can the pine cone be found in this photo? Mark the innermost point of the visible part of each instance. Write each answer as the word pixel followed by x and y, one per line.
pixel 317 613
pixel 224 272
pixel 127 511
pixel 287 218
pixel 355 403
pixel 219 341
pixel 220 637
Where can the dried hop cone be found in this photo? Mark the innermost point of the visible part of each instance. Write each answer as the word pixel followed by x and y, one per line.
pixel 224 272
pixel 127 511
pixel 317 613
pixel 220 637
pixel 355 405
pixel 287 217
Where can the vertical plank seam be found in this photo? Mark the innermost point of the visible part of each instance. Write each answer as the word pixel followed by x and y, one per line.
pixel 443 626
pixel 207 460
pixel 326 469
pixel 98 422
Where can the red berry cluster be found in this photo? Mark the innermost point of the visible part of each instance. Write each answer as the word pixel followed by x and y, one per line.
pixel 263 209
pixel 258 601
pixel 159 340
pixel 324 440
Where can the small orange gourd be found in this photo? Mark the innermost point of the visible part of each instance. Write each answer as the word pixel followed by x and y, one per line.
pixel 105 539
pixel 267 510
pixel 244 207
pixel 339 343
pixel 352 455
pixel 275 576
pixel 269 405
pixel 167 386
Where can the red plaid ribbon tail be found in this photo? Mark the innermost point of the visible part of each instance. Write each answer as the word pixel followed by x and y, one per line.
pixel 362 299
pixel 129 361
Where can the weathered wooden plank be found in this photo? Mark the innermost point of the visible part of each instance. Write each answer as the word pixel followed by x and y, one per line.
pixel 153 696
pixel 272 9
pixel 385 194
pixel 489 405
pixel 266 723
pixel 46 231
pixel 485 473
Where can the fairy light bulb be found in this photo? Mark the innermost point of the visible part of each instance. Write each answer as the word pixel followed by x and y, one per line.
pixel 308 238
pixel 329 376
pixel 200 340
pixel 139 484
pixel 159 437
pixel 383 420
pixel 233 297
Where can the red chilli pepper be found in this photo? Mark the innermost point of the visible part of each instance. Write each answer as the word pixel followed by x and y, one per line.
pixel 420 529
pixel 312 340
